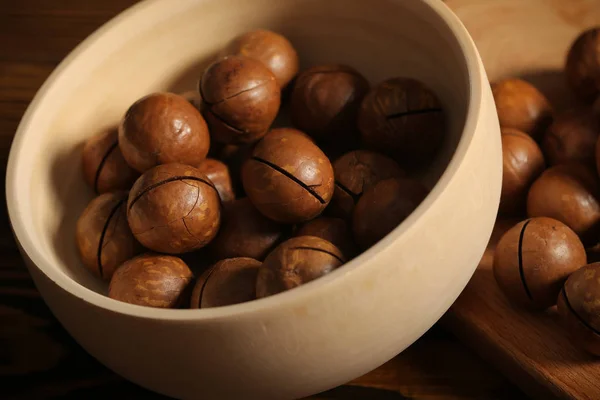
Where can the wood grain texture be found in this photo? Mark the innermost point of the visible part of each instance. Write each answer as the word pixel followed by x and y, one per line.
pixel 527 39
pixel 38 359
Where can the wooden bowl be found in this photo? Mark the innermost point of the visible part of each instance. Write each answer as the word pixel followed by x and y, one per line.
pixel 324 333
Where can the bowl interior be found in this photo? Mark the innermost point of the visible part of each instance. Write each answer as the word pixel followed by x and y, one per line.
pixel 138 53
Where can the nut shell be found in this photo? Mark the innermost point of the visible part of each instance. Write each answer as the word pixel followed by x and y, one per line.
pixel 568 193
pixel 521 106
pixel 354 173
pixel 522 164
pixel 163 128
pixel 534 258
pixel 219 175
pixel 229 281
pixel 104 239
pixel 579 307
pixel 335 230
pixel 295 262
pixel 152 280
pixel 245 232
pixel 174 208
pixel 104 168
pixel 583 65
pixel 383 207
pixel 270 48
pixel 572 137
pixel 403 118
pixel 241 99
pixel 325 101
pixel 288 178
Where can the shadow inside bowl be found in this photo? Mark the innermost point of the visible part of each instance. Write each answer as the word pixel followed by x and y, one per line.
pixel 190 77
pixel 68 185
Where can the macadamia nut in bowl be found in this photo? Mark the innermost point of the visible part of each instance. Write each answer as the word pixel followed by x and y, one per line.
pixel 293 343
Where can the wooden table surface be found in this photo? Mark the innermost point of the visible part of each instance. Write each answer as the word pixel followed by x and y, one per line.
pixel 38 359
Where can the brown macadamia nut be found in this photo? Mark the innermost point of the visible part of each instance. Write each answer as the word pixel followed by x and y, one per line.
pixel 245 232
pixel 163 128
pixel 152 280
pixel 568 193
pixel 583 65
pixel 295 262
pixel 403 118
pixel 534 258
pixel 325 101
pixel 354 173
pixel 572 137
pixel 521 106
pixel 218 173
pixel 241 99
pixel 104 239
pixel 230 281
pixel 334 230
pixel 383 207
pixel 270 48
pixel 288 178
pixel 579 307
pixel 174 208
pixel 522 164
pixel 104 167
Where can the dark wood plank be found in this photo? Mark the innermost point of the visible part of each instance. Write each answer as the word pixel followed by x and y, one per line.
pixel 38 359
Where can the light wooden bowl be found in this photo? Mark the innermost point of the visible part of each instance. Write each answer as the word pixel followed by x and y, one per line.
pixel 312 338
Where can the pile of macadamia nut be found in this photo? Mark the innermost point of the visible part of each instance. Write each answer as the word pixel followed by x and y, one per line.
pixel 551 164
pixel 270 208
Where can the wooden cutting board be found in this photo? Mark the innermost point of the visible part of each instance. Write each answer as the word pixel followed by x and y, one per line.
pixel 527 39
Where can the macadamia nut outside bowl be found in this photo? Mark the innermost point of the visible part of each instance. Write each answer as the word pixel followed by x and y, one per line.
pixel 309 339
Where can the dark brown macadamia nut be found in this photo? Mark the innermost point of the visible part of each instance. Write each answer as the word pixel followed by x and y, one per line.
pixel 245 232
pixel 241 99
pixel 354 173
pixel 325 101
pixel 383 206
pixel 152 280
pixel 270 48
pixel 104 239
pixel 522 163
pixel 334 230
pixel 234 157
pixel 104 168
pixel 534 258
pixel 229 281
pixel 295 262
pixel 288 178
pixel 219 175
pixel 570 194
pixel 572 137
pixel 403 118
pixel 174 208
pixel 597 153
pixel 521 106
pixel 163 128
pixel 579 307
pixel 596 107
pixel 583 65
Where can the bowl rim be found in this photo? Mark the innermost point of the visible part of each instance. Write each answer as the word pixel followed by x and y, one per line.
pixel 475 75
